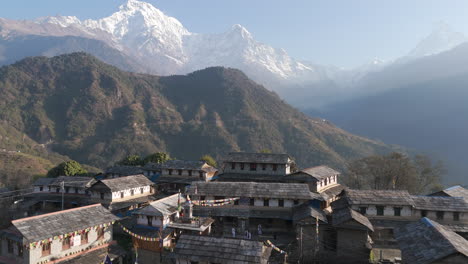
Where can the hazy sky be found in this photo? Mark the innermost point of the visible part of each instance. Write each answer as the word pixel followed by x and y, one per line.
pixel 343 33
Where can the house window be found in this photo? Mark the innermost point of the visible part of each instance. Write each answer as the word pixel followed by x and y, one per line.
pixel 102 196
pixel 150 220
pixel 200 174
pixel 10 246
pixel 189 173
pixel 397 211
pixel 141 190
pixel 41 188
pixel 423 213
pixel 76 190
pixel 263 166
pixel 121 195
pixel 456 216
pixel 67 189
pixel 57 190
pixel 440 215
pixel 46 249
pixel 84 238
pixel 242 166
pixel 236 202
pixel 100 233
pixel 202 197
pixel 326 182
pixel 233 166
pixel 253 166
pixel 170 172
pixel 266 202
pixel 66 243
pixel 296 202
pixel 281 203
pixel 275 167
pixel 20 249
pixel 363 210
pixel 380 210
pixel 179 172
pixel 252 202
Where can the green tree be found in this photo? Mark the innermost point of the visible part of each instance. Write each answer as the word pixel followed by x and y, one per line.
pixel 395 171
pixel 131 160
pixel 210 160
pixel 68 168
pixel 265 151
pixel 158 157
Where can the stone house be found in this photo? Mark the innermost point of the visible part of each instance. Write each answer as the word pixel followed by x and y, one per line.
pixel 268 204
pixel 426 241
pixel 175 175
pixel 353 241
pixel 57 236
pixel 207 250
pixel 73 185
pixel 267 167
pixel 122 171
pixel 124 193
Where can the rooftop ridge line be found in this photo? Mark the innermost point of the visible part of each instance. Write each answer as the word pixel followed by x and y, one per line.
pixel 54 213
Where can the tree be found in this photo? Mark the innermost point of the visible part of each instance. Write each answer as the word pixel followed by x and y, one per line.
pixel 131 160
pixel 393 172
pixel 158 157
pixel 68 168
pixel 210 160
pixel 265 151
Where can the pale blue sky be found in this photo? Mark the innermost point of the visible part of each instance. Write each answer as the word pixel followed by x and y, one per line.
pixel 343 33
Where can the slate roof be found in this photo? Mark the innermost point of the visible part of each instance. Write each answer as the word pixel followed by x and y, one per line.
pixel 114 206
pixel 186 165
pixel 69 181
pixel 427 241
pixel 249 177
pixel 127 182
pixel 318 173
pixel 246 157
pixel 162 207
pixel 440 203
pixel 378 197
pixel 251 212
pixel 305 211
pixel 124 170
pixel 220 250
pixel 177 179
pixel 46 226
pixel 454 191
pixel 342 216
pixel 331 192
pixel 254 189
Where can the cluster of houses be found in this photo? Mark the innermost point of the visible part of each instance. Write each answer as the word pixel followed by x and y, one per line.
pixel 258 208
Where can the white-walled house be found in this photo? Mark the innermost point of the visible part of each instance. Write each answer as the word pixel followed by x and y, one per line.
pixel 58 236
pixel 72 185
pixel 175 175
pixel 121 189
pixel 257 163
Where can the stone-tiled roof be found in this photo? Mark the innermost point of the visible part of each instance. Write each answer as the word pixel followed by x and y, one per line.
pixel 69 181
pixel 220 250
pixel 199 165
pixel 124 170
pixel 440 203
pixel 46 226
pixel 378 197
pixel 331 192
pixel 162 207
pixel 342 216
pixel 127 182
pixel 305 211
pixel 251 212
pixel 114 251
pixel 178 179
pixel 427 241
pixel 318 173
pixel 246 157
pixel 253 189
pixel 249 177
pixel 454 191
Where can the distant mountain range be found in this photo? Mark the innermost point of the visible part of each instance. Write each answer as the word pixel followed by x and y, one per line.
pixel 420 104
pixel 75 105
pixel 141 38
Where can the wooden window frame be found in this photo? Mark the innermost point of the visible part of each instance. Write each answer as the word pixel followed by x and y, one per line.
pixel 65 245
pixel 84 238
pixel 45 250
pixel 380 210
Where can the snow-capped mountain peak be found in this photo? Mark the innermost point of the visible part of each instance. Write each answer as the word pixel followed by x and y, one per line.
pixel 441 39
pixel 63 21
pixel 242 31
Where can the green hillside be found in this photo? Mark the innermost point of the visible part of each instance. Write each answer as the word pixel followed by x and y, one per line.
pixel 94 113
